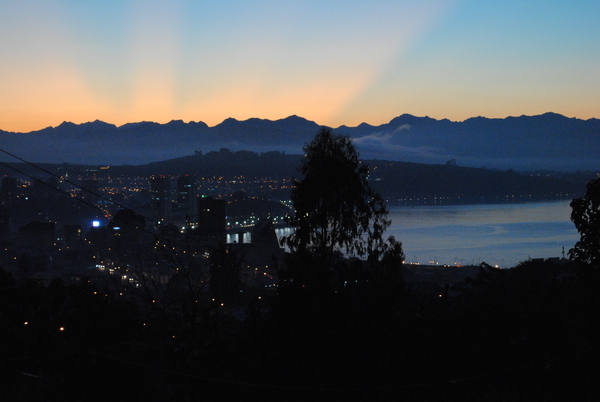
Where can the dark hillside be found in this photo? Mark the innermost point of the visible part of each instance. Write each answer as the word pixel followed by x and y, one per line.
pixel 419 183
pixel 399 182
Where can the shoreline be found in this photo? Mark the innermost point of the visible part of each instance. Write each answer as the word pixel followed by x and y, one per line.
pixel 466 200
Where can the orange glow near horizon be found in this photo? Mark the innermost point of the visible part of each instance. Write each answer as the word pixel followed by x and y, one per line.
pixel 330 63
pixel 25 124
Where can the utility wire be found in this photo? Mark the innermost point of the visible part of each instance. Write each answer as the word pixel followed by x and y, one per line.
pixel 66 181
pixel 157 235
pixel 51 186
pixel 240 383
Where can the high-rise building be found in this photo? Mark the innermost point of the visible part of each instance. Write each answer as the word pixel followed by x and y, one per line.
pixel 38 235
pixel 186 195
pixel 90 189
pixel 72 235
pixel 8 192
pixel 160 193
pixel 212 216
pixel 8 202
pixel 6 224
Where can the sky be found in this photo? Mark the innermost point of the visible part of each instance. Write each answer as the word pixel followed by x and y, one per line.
pixel 333 62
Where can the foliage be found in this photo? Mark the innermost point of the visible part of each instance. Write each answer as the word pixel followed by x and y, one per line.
pixel 336 208
pixel 224 274
pixel 586 217
pixel 528 333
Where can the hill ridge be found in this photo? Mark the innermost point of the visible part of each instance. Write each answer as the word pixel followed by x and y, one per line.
pixel 547 141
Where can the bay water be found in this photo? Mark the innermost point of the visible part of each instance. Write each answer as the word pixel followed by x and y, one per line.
pixel 497 234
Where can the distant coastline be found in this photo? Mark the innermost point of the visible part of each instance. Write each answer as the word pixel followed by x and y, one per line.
pixel 270 175
pixel 467 200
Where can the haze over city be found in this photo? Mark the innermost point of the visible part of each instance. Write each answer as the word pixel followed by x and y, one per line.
pixel 332 62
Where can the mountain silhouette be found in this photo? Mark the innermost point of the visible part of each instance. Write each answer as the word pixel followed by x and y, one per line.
pixel 549 141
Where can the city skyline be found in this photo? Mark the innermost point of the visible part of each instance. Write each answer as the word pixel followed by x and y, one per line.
pixel 331 62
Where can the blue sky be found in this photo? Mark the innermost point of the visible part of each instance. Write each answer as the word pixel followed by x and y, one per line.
pixel 333 62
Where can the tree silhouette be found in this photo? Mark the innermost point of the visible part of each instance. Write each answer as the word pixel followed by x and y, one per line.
pixel 586 217
pixel 225 268
pixel 337 211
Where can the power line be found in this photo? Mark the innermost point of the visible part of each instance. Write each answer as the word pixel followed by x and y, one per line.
pixel 49 185
pixel 66 181
pixel 155 234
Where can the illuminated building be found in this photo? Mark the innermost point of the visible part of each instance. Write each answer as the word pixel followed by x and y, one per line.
pixel 160 193
pixel 186 195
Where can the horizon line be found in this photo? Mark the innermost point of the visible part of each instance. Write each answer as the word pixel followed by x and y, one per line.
pixel 292 116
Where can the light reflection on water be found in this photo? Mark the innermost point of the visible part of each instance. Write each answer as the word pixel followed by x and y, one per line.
pixel 498 234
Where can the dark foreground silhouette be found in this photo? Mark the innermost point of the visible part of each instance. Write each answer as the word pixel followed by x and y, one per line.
pixel 529 333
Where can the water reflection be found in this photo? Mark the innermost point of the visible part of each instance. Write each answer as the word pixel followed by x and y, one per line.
pixel 498 234
pixel 502 234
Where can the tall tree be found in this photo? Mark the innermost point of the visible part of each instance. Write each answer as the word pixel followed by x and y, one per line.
pixel 586 217
pixel 336 208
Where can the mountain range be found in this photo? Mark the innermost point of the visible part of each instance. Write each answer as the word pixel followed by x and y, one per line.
pixel 549 141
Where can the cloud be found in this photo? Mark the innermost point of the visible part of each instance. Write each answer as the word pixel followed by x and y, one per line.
pixel 381 145
pixel 373 139
pixel 402 127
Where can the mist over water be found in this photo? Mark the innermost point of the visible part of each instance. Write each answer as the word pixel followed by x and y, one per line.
pixel 498 234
